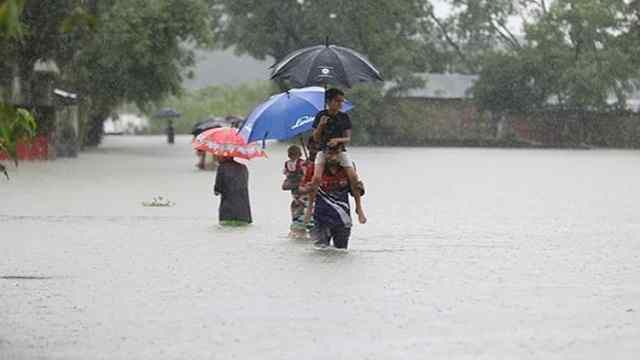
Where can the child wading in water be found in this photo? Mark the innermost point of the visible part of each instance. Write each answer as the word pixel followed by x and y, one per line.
pixel 332 131
pixel 294 172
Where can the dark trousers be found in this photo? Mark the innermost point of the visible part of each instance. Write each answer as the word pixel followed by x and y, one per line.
pixel 339 234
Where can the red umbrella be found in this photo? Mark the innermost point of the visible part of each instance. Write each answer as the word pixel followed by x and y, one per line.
pixel 227 142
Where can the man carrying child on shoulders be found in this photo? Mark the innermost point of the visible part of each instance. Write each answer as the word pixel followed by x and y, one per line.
pixel 332 132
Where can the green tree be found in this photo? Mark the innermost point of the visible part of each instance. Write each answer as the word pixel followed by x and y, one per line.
pixel 395 35
pixel 10 11
pixel 111 51
pixel 629 40
pixel 139 54
pixel 16 124
pixel 476 28
pixel 577 47
pixel 507 84
pixel 577 54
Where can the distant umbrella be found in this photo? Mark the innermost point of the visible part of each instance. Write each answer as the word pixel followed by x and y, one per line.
pixel 325 64
pixel 167 113
pixel 207 124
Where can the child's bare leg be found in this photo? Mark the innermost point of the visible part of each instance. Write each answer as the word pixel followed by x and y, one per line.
pixel 353 182
pixel 318 170
pixel 309 209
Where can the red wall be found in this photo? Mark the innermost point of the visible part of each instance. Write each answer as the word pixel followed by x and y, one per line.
pixel 37 149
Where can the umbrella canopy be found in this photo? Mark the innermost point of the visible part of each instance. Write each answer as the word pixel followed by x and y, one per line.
pixel 325 64
pixel 226 142
pixel 207 124
pixel 286 115
pixel 167 113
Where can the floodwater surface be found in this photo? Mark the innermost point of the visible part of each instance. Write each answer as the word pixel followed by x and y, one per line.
pixel 468 254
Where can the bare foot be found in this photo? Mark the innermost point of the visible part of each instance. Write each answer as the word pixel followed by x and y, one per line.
pixel 361 217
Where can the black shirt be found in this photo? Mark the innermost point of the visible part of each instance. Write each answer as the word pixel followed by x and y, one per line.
pixel 336 127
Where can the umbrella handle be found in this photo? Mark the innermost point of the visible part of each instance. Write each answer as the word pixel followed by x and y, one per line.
pixel 242 125
pixel 304 148
pixel 324 84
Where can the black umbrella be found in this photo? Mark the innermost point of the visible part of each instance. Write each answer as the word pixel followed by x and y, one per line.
pixel 167 113
pixel 205 125
pixel 325 64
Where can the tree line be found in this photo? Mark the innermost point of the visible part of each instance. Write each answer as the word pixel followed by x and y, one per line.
pixel 571 54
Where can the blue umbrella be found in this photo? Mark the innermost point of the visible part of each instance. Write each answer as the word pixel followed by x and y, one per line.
pixel 286 115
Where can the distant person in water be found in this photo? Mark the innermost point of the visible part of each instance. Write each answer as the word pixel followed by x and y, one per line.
pixel 332 132
pixel 332 212
pixel 232 184
pixel 171 132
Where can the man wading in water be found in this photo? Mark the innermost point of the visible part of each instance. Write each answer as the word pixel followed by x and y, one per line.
pixel 332 131
pixel 332 213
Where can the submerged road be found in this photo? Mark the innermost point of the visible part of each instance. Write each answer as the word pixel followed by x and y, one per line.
pixel 469 254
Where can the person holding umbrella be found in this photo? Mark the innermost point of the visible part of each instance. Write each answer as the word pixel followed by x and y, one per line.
pixel 287 115
pixel 199 128
pixel 332 131
pixel 232 185
pixel 232 177
pixel 322 65
pixel 169 114
pixel 171 133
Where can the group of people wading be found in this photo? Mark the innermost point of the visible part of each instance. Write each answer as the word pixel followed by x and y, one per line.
pixel 320 185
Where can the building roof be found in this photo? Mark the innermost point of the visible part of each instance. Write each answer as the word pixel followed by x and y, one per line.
pixel 441 86
pixel 458 86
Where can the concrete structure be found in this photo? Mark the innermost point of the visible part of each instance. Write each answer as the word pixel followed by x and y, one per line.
pixel 55 110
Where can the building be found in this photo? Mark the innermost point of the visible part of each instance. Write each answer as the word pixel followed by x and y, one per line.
pixel 447 112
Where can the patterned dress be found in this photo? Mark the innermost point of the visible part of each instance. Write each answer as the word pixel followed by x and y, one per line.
pixel 300 202
pixel 294 172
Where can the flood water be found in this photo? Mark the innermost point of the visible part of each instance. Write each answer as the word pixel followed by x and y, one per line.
pixel 468 254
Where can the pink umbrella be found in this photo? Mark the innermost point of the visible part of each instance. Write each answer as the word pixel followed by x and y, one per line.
pixel 227 142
